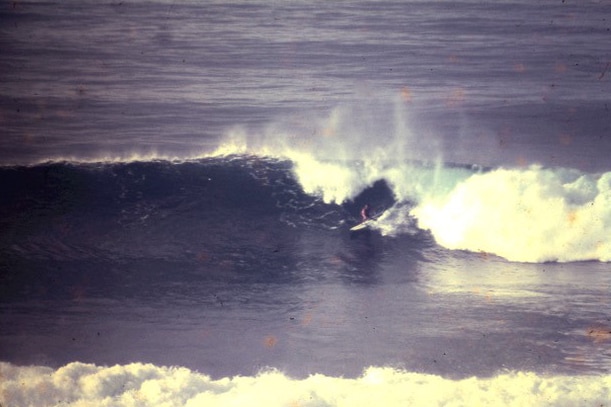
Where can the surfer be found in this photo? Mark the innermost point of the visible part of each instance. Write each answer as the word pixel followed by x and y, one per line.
pixel 365 212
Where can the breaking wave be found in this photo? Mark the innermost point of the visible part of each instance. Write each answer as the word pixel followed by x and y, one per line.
pixel 527 214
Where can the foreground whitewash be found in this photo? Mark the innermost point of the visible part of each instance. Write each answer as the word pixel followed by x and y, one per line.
pixel 79 384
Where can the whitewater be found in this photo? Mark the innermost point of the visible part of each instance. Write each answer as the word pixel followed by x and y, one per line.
pixel 81 384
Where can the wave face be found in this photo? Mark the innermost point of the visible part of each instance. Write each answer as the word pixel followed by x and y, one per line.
pixel 123 209
pixel 145 384
pixel 138 196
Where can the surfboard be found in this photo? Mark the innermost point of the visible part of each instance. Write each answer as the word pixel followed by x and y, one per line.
pixel 366 223
pixel 362 225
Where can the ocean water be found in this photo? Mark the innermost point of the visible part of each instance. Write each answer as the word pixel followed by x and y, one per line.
pixel 179 180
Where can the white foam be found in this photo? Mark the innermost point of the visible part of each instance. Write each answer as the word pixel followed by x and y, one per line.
pixel 527 215
pixel 83 385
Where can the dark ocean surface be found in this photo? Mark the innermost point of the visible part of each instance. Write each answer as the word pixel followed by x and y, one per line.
pixel 179 179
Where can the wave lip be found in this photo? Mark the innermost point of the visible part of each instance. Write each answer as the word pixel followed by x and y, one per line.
pixel 81 384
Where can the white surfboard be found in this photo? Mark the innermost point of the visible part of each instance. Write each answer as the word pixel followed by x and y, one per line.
pixel 362 225
pixel 366 223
